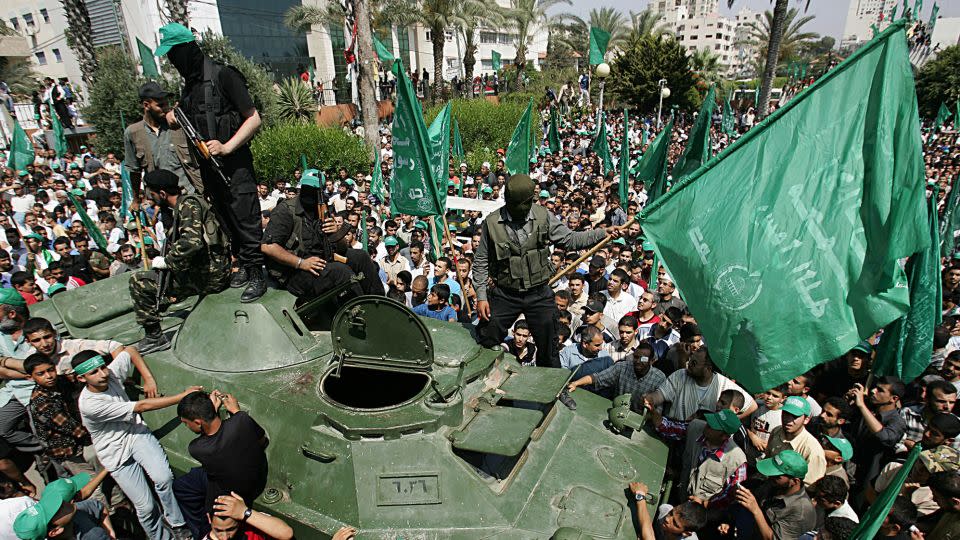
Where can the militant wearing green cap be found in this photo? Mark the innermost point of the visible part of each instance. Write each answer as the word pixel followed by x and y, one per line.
pixel 519 195
pixel 171 35
pixel 310 178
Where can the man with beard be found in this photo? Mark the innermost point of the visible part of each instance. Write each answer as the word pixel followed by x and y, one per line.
pixel 299 257
pixel 152 143
pixel 514 253
pixel 216 101
pixel 197 257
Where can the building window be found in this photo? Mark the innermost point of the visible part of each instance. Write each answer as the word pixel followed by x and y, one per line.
pixel 403 42
pixel 56 54
pixel 41 58
pixel 716 47
pixel 448 35
pixel 486 65
pixel 45 15
pixel 708 36
pixel 28 19
pixel 15 23
pixel 488 37
pixel 429 36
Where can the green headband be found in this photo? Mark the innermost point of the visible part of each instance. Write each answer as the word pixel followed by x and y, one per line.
pixel 89 365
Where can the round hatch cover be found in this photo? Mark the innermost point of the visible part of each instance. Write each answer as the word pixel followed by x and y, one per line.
pixel 378 331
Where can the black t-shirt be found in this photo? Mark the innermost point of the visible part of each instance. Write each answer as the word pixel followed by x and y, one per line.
pixel 77 266
pixel 233 458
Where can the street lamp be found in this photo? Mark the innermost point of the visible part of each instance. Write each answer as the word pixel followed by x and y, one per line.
pixel 602 71
pixel 664 93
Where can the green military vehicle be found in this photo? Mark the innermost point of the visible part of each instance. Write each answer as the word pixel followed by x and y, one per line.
pixel 398 425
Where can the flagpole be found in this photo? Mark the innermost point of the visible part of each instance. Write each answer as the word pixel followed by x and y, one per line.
pixel 143 243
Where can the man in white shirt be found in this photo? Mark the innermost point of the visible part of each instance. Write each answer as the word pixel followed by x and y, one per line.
pixel 619 303
pixel 124 444
pixel 695 388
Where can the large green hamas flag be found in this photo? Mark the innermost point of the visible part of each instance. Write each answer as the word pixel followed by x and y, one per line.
pixel 787 245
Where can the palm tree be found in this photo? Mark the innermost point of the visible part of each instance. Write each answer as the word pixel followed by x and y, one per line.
pixel 177 10
pixel 776 33
pixel 646 23
pixel 525 16
pixel 606 19
pixel 706 64
pixel 79 38
pixel 295 101
pixel 792 40
pixel 16 72
pixel 474 16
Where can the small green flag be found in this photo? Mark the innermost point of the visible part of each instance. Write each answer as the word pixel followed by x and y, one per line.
pixel 933 18
pixel 518 152
pixel 458 154
pixel 598 45
pixel 439 135
pixel 602 146
pixel 803 70
pixel 872 519
pixel 313 74
pixel 88 224
pixel 624 164
pixel 364 233
pixel 893 12
pixel 825 223
pixel 147 62
pixel 917 8
pixel 495 60
pixel 553 135
pixel 21 149
pixel 950 222
pixel 413 185
pixel 383 53
pixel 652 169
pixel 907 342
pixel 874 30
pixel 698 149
pixel 59 137
pixel 126 197
pixel 943 115
pixel 376 181
pixel 728 122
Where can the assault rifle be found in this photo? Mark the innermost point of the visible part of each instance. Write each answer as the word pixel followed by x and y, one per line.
pixel 198 143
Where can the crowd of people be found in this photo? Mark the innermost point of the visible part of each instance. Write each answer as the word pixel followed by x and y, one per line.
pixel 800 460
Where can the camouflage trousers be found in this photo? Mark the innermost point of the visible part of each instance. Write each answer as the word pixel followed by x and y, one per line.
pixel 143 292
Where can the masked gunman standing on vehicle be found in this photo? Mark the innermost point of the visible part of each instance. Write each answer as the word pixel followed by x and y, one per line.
pixel 514 252
pixel 216 101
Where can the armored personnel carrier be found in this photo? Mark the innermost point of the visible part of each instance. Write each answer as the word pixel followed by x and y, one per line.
pixel 400 426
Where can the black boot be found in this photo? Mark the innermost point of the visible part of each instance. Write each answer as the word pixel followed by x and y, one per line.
pixel 154 341
pixel 239 278
pixel 256 287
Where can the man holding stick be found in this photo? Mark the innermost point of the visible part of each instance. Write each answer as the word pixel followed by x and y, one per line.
pixel 514 254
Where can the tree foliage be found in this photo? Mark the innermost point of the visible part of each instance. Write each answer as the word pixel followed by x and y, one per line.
pixel 276 150
pixel 793 40
pixel 939 82
pixel 636 70
pixel 114 91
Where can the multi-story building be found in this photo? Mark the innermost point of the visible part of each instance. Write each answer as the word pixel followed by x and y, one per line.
pixel 693 8
pixel 712 32
pixel 863 14
pixel 742 61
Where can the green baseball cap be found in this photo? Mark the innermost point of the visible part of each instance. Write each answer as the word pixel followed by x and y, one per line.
pixel 55 166
pixel 349 182
pixel 620 242
pixel 420 225
pixel 723 420
pixel 647 245
pixel 544 194
pixel 786 463
pixel 796 406
pixel 55 288
pixel 74 166
pixel 32 523
pixel 173 34
pixel 310 178
pixel 486 189
pixel 451 183
pixel 10 297
pixel 843 446
pixel 76 192
pixel 23 173
pixel 864 347
pixel 35 236
pixel 390 241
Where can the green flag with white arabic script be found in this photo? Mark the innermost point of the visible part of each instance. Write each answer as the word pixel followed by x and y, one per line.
pixel 518 152
pixel 907 343
pixel 599 39
pixel 495 61
pixel 439 134
pixel 21 149
pixel 413 185
pixel 59 137
pixel 602 146
pixel 728 123
pixel 652 169
pixel 383 53
pixel 698 149
pixel 823 221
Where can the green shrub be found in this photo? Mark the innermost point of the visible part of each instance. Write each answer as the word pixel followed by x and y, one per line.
pixel 486 125
pixel 520 97
pixel 277 149
pixel 112 94
pixel 295 102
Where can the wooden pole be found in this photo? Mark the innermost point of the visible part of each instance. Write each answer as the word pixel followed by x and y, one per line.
pixel 572 266
pixel 456 275
pixel 143 243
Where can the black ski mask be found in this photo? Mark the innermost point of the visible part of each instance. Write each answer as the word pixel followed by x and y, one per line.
pixel 187 58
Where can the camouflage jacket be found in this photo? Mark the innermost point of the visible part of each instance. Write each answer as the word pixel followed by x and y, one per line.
pixel 196 246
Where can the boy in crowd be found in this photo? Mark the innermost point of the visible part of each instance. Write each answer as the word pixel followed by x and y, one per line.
pixel 436 306
pixel 765 419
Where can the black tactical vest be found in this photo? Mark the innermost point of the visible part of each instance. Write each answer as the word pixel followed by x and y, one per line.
pixel 210 111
